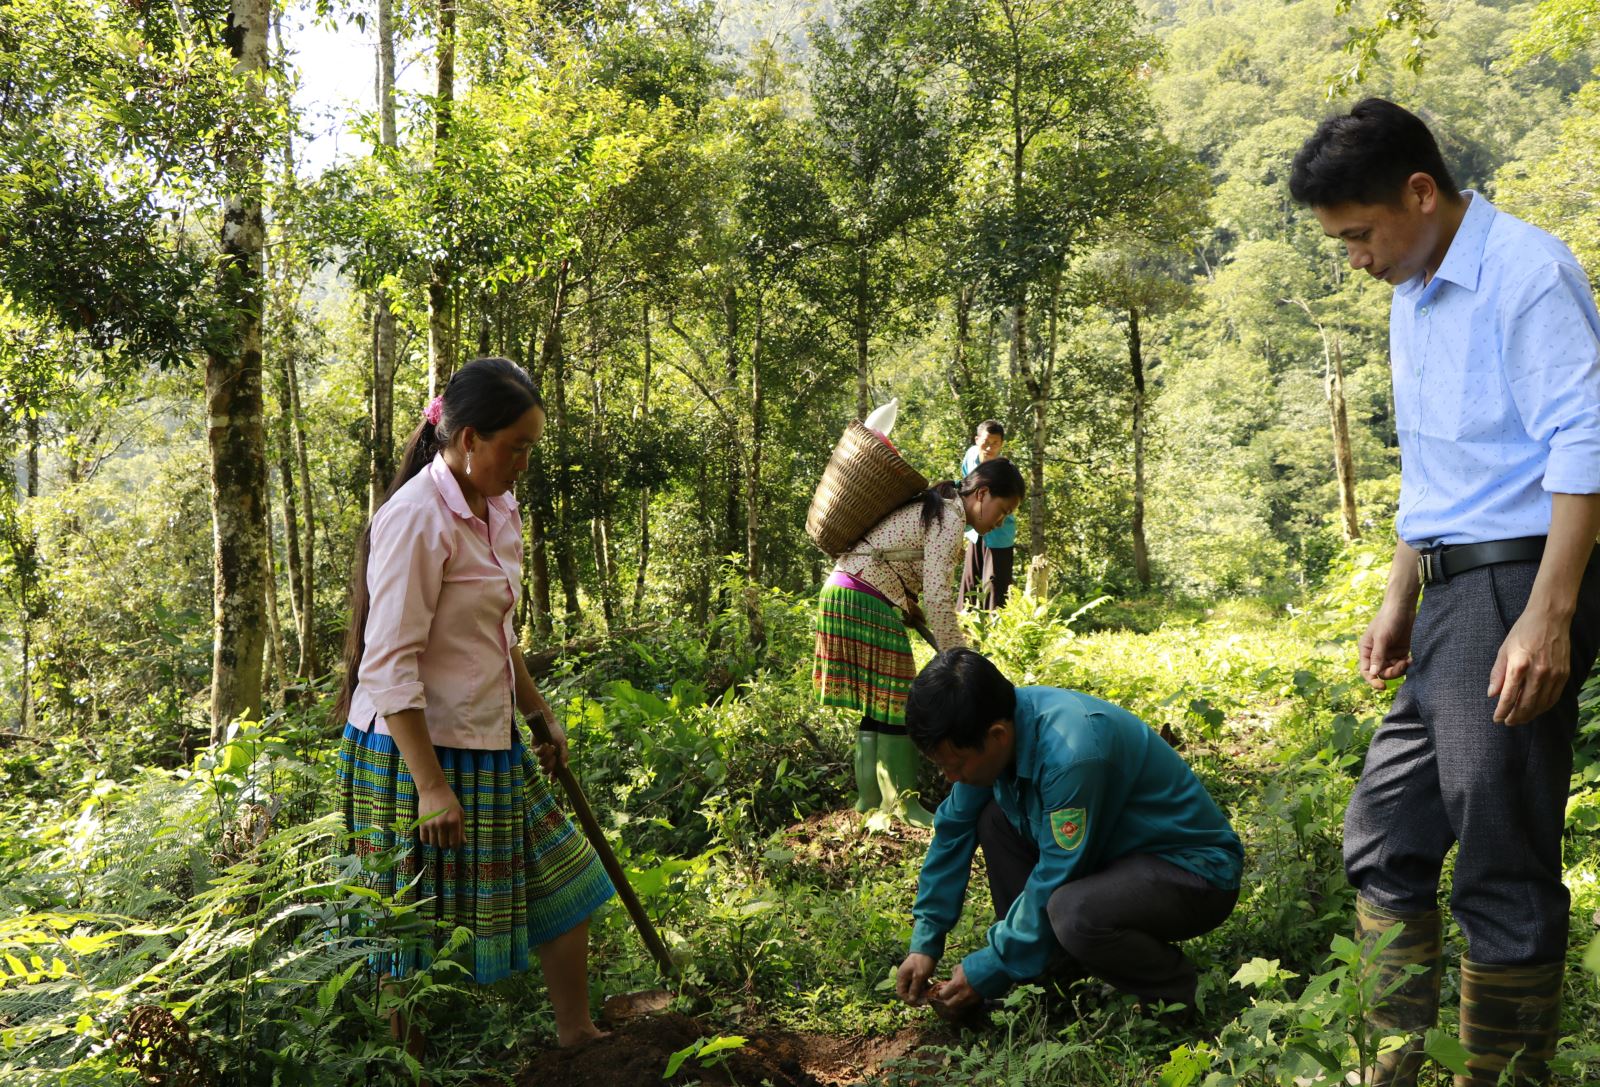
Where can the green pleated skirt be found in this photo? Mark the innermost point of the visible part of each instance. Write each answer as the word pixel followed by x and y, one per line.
pixel 523 876
pixel 863 658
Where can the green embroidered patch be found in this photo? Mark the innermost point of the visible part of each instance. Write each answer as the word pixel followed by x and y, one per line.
pixel 1069 826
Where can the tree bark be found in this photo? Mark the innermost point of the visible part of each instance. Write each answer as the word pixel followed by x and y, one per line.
pixel 553 362
pixel 289 488
pixel 233 408
pixel 1333 387
pixel 701 603
pixel 960 374
pixel 1343 461
pixel 600 522
pixel 277 652
pixel 863 319
pixel 644 492
pixel 758 634
pixel 27 575
pixel 309 663
pixel 735 454
pixel 384 361
pixel 440 362
pixel 1141 552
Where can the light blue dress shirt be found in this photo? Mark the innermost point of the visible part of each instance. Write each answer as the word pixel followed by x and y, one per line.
pixel 1124 790
pixel 1496 366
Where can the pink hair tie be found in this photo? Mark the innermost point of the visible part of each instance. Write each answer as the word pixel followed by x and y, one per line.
pixel 434 411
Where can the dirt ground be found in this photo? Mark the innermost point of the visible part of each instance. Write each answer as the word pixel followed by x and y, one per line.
pixel 644 1037
pixel 637 1052
pixel 832 844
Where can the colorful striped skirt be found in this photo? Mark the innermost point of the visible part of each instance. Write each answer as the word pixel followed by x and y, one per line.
pixel 863 658
pixel 524 876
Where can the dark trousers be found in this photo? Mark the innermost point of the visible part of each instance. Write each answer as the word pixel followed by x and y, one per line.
pixel 1118 924
pixel 986 574
pixel 1441 772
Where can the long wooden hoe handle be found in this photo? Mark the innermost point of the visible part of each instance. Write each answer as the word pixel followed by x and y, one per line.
pixel 597 838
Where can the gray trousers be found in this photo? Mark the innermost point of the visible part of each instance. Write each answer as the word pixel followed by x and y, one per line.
pixel 1118 924
pixel 1441 772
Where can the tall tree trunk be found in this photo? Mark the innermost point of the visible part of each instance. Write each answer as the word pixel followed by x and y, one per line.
pixel 441 362
pixel 1141 553
pixel 309 664
pixel 384 361
pixel 757 437
pixel 537 491
pixel 287 359
pixel 961 382
pixel 758 633
pixel 644 492
pixel 233 409
pixel 1024 368
pixel 282 426
pixel 553 362
pixel 1343 462
pixel 863 318
pixel 701 604
pixel 485 326
pixel 600 522
pixel 277 652
pixel 1038 378
pixel 27 575
pixel 735 456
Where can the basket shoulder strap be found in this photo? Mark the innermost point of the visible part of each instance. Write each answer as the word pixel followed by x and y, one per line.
pixel 889 554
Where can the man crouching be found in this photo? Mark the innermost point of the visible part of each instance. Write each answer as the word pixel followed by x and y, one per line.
pixel 1102 846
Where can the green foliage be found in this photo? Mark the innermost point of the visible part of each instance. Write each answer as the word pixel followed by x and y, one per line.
pixel 710 1052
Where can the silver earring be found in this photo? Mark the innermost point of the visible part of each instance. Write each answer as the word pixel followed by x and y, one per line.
pixel 469 462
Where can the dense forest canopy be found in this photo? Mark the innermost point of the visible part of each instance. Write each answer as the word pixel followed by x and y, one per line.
pixel 711 248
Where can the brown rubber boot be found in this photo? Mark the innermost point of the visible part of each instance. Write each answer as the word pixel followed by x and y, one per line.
pixel 1510 1018
pixel 1412 1006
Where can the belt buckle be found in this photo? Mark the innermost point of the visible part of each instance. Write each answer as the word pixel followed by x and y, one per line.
pixel 1430 566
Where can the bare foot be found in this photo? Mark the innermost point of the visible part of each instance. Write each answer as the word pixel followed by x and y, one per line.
pixel 586 1033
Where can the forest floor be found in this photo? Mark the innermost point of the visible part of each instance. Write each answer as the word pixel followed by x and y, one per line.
pixel 636 1053
pixel 830 849
pixel 785 910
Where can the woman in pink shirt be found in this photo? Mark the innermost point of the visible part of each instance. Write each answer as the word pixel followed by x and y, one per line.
pixel 432 673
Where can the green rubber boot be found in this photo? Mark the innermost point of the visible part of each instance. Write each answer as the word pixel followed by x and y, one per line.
pixel 1412 1006
pixel 1510 1018
pixel 897 779
pixel 866 764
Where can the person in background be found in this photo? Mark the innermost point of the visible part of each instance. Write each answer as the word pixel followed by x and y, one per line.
pixel 1494 345
pixel 903 566
pixel 432 674
pixel 986 572
pixel 1103 849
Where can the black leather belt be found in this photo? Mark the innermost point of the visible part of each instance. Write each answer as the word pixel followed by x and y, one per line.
pixel 1439 564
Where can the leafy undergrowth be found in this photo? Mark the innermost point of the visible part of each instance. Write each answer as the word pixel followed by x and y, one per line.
pixel 209 926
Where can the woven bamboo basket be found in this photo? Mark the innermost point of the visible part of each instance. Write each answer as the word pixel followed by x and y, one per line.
pixel 864 482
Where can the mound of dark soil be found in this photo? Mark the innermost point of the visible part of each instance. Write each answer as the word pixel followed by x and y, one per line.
pixel 637 1053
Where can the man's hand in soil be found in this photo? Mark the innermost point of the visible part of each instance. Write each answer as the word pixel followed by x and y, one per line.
pixel 955 997
pixel 912 981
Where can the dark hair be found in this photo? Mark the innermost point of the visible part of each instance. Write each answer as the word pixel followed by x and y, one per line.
pixel 488 395
pixel 999 476
pixel 956 697
pixel 1365 156
pixel 992 426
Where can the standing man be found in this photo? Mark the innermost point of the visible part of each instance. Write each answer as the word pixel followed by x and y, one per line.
pixel 986 571
pixel 1103 849
pixel 1495 351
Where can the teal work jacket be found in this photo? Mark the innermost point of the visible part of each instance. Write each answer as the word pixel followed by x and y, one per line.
pixel 1090 783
